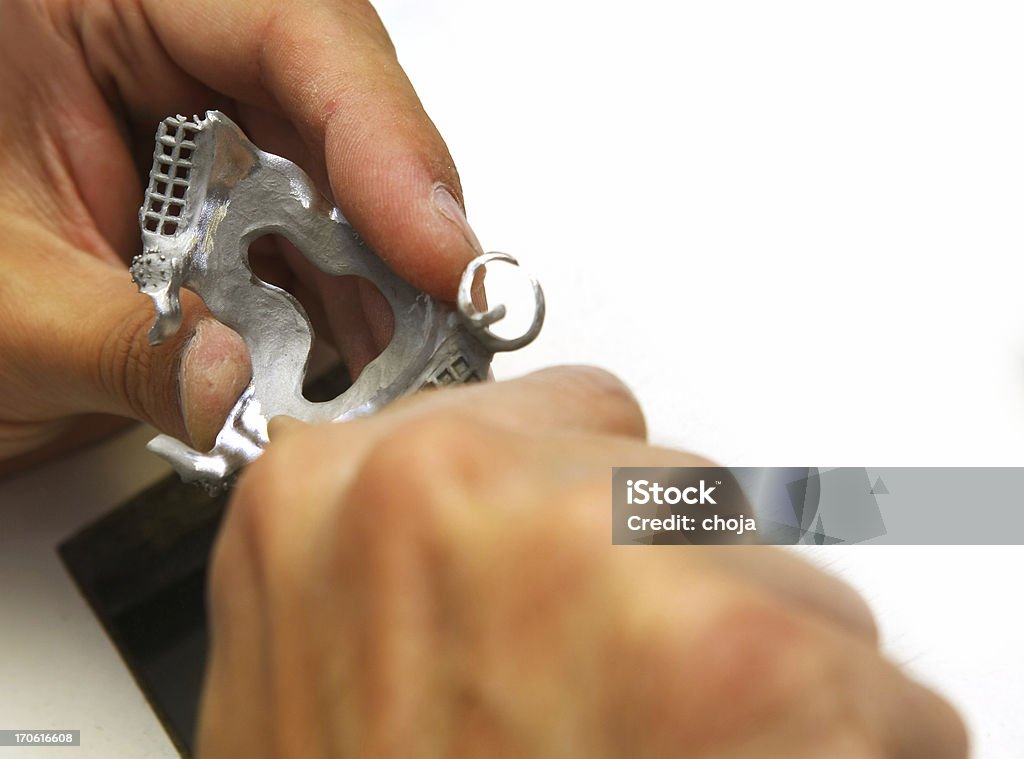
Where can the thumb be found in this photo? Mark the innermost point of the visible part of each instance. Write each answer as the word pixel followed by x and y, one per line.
pixel 83 347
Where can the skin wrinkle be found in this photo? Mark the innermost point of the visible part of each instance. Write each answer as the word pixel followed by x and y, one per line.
pixel 118 365
pixel 105 77
pixel 150 50
pixel 293 48
pixel 131 59
pixel 63 188
pixel 18 436
pixel 61 15
pixel 38 196
pixel 79 227
pixel 262 80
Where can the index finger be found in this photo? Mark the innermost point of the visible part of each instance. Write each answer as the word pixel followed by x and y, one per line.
pixel 330 68
pixel 580 399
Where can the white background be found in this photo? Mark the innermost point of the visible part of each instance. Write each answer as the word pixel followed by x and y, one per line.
pixel 794 228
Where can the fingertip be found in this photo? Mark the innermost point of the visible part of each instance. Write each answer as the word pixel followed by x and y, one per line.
pixel 454 245
pixel 931 725
pixel 602 393
pixel 452 210
pixel 281 427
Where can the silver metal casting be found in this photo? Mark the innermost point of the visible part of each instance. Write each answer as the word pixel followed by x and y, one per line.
pixel 211 194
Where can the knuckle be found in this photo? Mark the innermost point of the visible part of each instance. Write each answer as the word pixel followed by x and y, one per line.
pixel 739 632
pixel 363 16
pixel 743 655
pixel 581 511
pixel 422 462
pixel 401 527
pixel 761 658
pixel 846 739
pixel 600 389
pixel 794 671
pixel 857 613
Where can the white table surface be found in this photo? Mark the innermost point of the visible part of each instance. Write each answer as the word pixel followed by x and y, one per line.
pixel 794 228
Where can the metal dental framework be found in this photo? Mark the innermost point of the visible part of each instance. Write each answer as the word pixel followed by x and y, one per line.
pixel 211 193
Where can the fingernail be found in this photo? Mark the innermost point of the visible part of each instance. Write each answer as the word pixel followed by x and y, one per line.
pixel 449 207
pixel 214 372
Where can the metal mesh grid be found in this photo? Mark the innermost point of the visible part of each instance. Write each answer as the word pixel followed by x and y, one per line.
pixel 458 370
pixel 164 205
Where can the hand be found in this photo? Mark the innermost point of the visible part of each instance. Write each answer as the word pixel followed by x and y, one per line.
pixel 83 86
pixel 439 580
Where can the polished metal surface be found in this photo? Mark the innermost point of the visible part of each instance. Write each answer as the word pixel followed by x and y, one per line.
pixel 211 194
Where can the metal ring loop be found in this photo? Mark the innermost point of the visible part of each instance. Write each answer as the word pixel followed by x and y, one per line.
pixel 478 322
